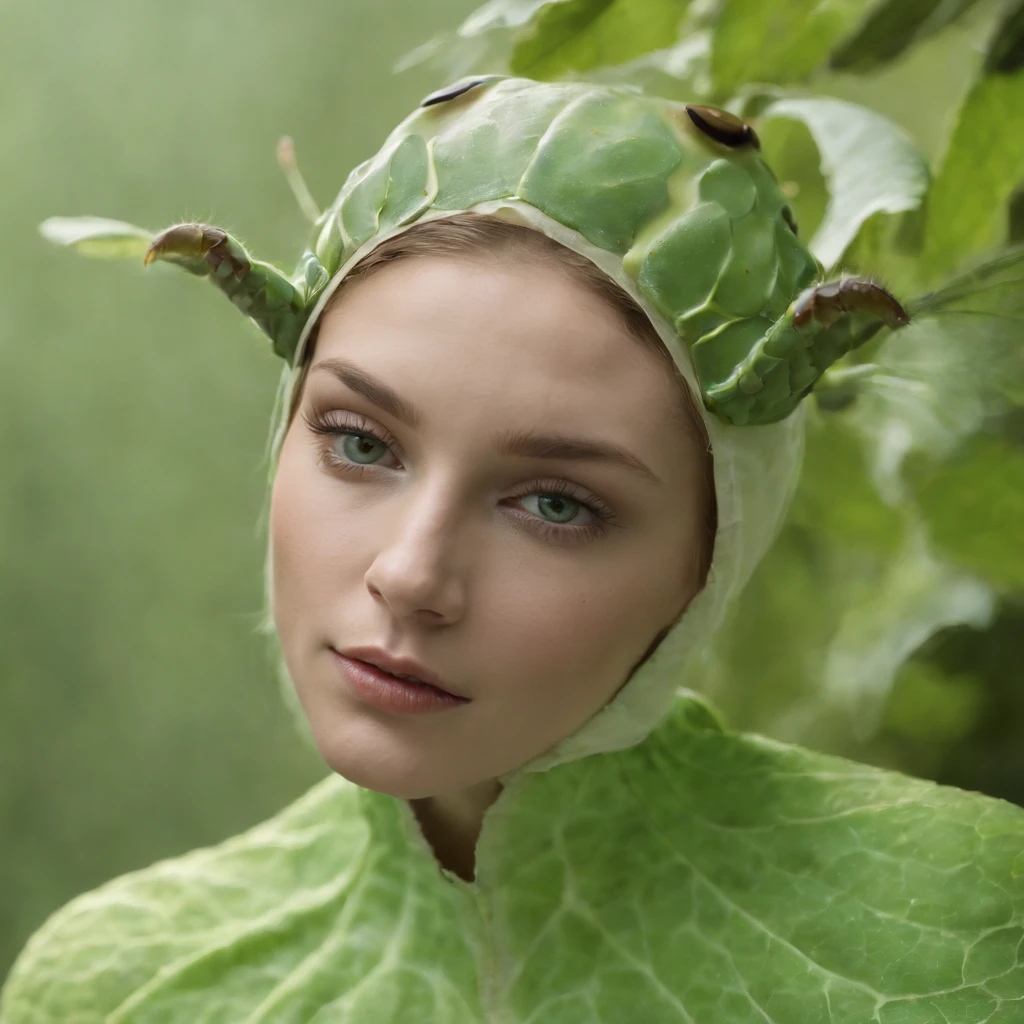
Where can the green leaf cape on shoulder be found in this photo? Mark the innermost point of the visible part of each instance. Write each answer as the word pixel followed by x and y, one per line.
pixel 699 876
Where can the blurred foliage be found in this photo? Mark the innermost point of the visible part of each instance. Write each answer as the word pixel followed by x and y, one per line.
pixel 885 623
pixel 140 715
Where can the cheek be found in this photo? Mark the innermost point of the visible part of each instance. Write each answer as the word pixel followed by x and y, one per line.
pixel 580 634
pixel 304 538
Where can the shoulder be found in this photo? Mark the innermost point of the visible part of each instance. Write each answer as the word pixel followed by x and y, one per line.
pixel 119 948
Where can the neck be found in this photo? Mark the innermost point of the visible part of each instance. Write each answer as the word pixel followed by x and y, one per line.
pixel 451 824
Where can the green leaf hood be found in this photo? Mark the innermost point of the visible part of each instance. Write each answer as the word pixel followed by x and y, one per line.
pixel 755 473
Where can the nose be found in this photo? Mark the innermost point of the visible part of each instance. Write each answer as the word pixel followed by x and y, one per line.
pixel 417 571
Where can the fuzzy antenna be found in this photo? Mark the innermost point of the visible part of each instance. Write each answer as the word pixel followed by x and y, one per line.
pixel 286 158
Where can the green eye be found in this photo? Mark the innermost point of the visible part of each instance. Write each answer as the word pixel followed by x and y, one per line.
pixel 354 446
pixel 563 507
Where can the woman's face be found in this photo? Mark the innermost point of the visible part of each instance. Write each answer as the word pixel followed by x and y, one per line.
pixel 488 568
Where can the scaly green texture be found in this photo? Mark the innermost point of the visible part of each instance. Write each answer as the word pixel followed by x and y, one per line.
pixel 679 193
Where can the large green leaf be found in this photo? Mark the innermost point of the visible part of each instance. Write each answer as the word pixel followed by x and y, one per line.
pixel 984 163
pixel 678 72
pixel 891 28
pixel 782 41
pixel 792 887
pixel 577 35
pixel 870 166
pixel 552 39
pixel 701 876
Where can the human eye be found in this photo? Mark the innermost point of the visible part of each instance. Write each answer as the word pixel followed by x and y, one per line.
pixel 356 435
pixel 556 497
pixel 567 497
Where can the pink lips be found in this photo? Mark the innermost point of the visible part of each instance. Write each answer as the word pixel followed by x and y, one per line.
pixel 397 666
pixel 383 690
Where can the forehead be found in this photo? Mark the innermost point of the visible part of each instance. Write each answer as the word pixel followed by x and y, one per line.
pixel 485 346
pixel 481 314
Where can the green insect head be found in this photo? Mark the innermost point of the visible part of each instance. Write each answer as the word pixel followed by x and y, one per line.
pixel 671 201
pixel 679 192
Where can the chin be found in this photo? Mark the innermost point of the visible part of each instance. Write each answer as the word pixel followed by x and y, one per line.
pixel 375 762
pixel 400 788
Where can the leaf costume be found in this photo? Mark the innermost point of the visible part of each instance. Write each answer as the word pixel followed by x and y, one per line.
pixel 652 866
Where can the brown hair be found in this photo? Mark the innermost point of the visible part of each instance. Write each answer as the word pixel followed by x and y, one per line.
pixel 468 234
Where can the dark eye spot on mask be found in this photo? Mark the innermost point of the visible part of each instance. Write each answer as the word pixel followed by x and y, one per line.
pixel 723 127
pixel 456 89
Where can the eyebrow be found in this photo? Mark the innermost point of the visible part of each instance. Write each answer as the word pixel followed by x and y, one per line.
pixel 511 442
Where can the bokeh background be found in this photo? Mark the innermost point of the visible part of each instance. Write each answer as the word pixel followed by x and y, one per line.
pixel 139 712
pixel 140 716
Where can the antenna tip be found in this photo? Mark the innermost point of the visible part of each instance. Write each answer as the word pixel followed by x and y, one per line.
pixel 286 150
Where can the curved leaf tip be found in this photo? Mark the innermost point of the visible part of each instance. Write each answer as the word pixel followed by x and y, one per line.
pixel 97 236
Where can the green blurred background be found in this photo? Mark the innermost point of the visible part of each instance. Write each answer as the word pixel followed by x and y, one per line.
pixel 139 712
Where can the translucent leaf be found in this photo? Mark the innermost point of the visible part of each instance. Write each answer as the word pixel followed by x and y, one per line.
pixel 869 164
pixel 891 28
pixel 984 163
pixel 550 39
pixel 484 38
pixel 678 70
pixel 993 288
pixel 836 499
pixel 782 41
pixel 577 35
pixel 915 596
pixel 453 56
pixel 503 14
pixel 975 509
pixel 957 369
pixel 97 236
